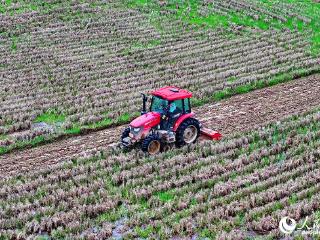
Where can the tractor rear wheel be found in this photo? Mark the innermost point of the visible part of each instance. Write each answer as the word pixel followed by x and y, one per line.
pixel 151 144
pixel 188 132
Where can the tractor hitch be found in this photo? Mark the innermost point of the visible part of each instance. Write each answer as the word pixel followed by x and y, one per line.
pixel 209 134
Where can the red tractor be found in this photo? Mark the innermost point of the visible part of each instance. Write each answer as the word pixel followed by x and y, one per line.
pixel 169 122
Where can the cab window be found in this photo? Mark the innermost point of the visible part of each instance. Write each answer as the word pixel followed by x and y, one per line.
pixel 187 105
pixel 158 104
pixel 179 105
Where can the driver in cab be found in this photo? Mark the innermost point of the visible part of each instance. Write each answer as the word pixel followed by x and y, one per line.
pixel 172 115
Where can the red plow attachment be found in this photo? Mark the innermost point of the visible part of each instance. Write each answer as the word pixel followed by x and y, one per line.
pixel 209 134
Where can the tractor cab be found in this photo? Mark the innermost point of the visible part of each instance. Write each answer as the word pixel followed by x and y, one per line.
pixel 162 105
pixel 171 103
pixel 164 97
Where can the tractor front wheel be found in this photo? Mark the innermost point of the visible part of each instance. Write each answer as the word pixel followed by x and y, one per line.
pixel 151 144
pixel 124 136
pixel 125 133
pixel 188 132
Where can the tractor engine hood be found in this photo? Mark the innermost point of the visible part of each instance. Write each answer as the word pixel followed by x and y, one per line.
pixel 148 120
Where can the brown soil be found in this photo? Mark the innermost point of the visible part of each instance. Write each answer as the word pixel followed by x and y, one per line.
pixel 237 114
pixel 245 112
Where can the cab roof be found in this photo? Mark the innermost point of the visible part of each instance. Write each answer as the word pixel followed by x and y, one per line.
pixel 171 93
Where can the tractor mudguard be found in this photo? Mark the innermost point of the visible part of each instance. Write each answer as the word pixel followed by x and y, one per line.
pixel 181 119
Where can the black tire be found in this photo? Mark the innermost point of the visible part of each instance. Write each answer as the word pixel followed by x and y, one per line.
pixel 125 133
pixel 166 147
pixel 180 140
pixel 154 148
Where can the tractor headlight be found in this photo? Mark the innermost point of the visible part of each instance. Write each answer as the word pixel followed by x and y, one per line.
pixel 136 130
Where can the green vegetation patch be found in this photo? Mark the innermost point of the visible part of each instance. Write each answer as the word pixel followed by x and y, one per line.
pixel 75 129
pixel 13 7
pixel 50 117
pixel 188 11
pixel 144 232
pixel 165 196
pixel 277 79
pixel 3 136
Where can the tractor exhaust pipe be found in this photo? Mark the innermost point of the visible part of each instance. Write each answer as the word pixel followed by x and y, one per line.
pixel 144 103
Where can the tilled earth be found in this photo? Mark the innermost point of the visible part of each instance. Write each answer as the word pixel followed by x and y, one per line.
pixel 237 114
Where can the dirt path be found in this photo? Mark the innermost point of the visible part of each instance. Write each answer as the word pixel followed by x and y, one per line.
pixel 257 108
pixel 239 113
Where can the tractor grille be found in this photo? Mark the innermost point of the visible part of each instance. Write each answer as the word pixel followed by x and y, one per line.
pixel 135 131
